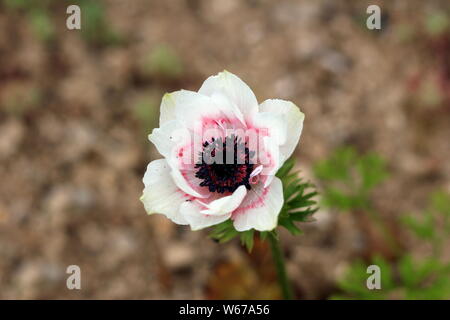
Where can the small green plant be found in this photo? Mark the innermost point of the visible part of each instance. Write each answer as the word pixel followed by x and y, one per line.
pixel 145 110
pixel 42 24
pixel 38 15
pixel 409 278
pixel 437 23
pixel 432 225
pixel 348 178
pixel 95 27
pixel 163 62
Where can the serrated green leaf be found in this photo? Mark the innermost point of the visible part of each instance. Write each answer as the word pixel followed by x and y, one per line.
pixel 303 216
pixel 295 198
pixel 286 168
pixel 290 226
pixel 224 231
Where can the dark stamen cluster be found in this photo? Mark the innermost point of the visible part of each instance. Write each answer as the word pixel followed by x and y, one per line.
pixel 225 165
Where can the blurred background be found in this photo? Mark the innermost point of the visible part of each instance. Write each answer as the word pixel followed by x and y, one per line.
pixel 76 108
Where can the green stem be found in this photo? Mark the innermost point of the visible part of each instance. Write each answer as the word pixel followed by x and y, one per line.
pixel 278 258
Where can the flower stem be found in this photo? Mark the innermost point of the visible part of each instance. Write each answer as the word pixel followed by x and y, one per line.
pixel 278 258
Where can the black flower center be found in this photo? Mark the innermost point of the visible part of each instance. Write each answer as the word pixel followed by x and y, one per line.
pixel 223 166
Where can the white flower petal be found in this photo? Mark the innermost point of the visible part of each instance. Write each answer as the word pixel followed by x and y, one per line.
pixel 191 211
pixel 235 89
pixel 170 101
pixel 161 195
pixel 183 183
pixel 169 137
pixel 260 211
pixel 228 107
pixel 274 123
pixel 294 122
pixel 226 204
pixel 196 110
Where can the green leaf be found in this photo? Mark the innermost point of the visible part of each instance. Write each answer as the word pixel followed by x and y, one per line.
pixel 299 204
pixel 247 239
pixel 353 284
pixel 286 168
pixel 423 228
pixel 372 169
pixel 440 202
pixel 263 235
pixel 290 226
pixel 224 231
pixel 348 178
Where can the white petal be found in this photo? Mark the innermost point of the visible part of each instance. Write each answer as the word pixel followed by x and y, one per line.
pixel 194 109
pixel 183 183
pixel 191 211
pixel 260 211
pixel 169 138
pixel 274 123
pixel 235 89
pixel 226 204
pixel 170 101
pixel 161 195
pixel 294 122
pixel 230 109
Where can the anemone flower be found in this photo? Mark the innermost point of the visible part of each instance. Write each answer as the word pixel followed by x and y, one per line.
pixel 225 164
pixel 221 151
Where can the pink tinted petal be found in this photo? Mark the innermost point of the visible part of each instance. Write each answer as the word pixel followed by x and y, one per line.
pixel 260 208
pixel 226 204
pixel 169 138
pixel 184 181
pixel 191 212
pixel 235 89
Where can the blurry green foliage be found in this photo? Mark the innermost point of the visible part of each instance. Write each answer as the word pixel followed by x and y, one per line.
pixel 407 279
pixel 163 61
pixel 146 110
pixel 42 24
pixel 432 225
pixel 225 232
pixel 348 178
pixel 38 15
pixel 298 206
pixel 95 27
pixel 437 23
pixel 16 4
